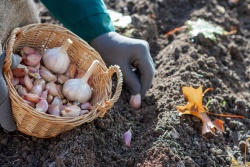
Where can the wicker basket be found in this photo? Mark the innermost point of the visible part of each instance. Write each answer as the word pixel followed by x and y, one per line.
pixel 44 36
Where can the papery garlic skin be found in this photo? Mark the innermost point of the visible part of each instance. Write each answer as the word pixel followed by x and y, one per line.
pixel 57 59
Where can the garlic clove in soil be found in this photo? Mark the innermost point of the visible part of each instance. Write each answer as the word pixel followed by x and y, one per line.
pixel 135 101
pixel 57 59
pixel 127 136
pixel 78 89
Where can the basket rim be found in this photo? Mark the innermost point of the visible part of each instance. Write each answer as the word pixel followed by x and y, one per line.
pixel 99 109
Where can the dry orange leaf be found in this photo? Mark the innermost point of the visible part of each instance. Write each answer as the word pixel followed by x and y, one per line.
pixel 194 107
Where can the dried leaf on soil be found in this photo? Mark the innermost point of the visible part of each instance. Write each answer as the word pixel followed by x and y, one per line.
pixel 195 107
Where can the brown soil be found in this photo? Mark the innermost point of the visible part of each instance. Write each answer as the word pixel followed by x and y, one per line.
pixel 160 136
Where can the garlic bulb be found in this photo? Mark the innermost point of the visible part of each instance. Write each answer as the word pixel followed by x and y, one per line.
pixel 78 89
pixel 57 59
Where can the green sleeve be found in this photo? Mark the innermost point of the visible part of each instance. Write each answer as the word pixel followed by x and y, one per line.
pixel 86 18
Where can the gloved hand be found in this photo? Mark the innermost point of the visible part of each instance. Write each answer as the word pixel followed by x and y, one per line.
pixel 128 53
pixel 6 118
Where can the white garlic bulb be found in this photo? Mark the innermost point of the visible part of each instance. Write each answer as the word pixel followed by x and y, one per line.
pixel 57 59
pixel 78 89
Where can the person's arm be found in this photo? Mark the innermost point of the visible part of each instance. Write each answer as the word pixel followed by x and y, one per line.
pixel 89 20
pixel 86 18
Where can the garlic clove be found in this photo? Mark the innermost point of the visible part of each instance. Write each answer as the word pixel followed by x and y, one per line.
pixel 28 50
pixel 51 87
pixel 82 112
pixel 21 90
pixel 37 89
pixel 54 110
pixel 32 97
pixel 85 106
pixel 49 98
pixel 135 101
pixel 62 107
pixel 80 73
pixel 15 81
pixel 28 82
pixel 71 71
pixel 71 111
pixel 20 71
pixel 47 76
pixel 62 78
pixel 33 69
pixel 59 89
pixel 40 81
pixel 30 103
pixel 21 81
pixel 32 59
pixel 42 106
pixel 44 94
pixel 56 59
pixel 56 101
pixel 127 137
pixel 34 75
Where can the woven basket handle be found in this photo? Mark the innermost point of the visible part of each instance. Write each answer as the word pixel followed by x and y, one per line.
pixel 14 35
pixel 109 103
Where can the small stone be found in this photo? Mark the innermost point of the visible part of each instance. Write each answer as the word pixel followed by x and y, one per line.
pixel 240 103
pixel 4 141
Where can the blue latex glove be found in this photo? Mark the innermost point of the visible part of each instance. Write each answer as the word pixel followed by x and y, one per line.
pixel 6 118
pixel 128 53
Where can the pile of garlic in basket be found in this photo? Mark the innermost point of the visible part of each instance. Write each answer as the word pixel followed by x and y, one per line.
pixel 50 83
